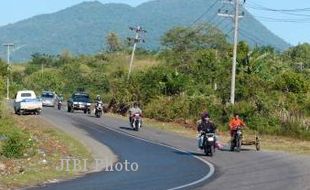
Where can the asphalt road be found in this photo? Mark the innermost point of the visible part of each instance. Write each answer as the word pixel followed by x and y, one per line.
pixel 164 168
pixel 159 167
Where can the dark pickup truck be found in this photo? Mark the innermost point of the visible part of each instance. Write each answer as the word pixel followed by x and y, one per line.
pixel 79 101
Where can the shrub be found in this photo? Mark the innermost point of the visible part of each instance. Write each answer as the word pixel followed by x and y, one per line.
pixel 15 145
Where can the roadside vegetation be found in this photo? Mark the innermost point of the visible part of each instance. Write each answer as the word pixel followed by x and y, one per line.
pixel 189 75
pixel 31 149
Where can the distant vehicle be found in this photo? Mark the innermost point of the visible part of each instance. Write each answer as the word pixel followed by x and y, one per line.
pixel 209 143
pixel 237 140
pixel 26 102
pixel 99 109
pixel 79 101
pixel 59 100
pixel 136 121
pixel 48 98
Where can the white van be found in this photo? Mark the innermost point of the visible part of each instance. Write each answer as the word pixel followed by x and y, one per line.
pixel 26 102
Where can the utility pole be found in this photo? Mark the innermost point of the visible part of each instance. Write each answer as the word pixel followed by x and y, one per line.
pixel 235 18
pixel 8 45
pixel 137 39
pixel 42 71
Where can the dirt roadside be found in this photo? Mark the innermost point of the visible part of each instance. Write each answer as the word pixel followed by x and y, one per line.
pixel 52 144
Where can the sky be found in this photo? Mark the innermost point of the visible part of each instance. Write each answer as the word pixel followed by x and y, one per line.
pixel 294 27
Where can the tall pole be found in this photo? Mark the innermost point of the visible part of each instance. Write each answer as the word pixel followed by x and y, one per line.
pixel 133 54
pixel 137 39
pixel 235 18
pixel 233 76
pixel 42 70
pixel 8 45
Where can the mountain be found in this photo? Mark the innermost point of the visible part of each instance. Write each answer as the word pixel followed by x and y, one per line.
pixel 82 28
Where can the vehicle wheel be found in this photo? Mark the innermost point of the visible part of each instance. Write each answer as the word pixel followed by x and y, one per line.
pixel 69 109
pixel 257 144
pixel 238 145
pixel 38 112
pixel 18 112
pixel 137 125
pixel 232 146
pixel 211 152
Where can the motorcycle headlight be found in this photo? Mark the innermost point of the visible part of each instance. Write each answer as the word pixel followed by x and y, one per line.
pixel 210 138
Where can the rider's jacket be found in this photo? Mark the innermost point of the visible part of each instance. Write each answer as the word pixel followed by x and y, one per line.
pixel 135 110
pixel 207 126
pixel 234 123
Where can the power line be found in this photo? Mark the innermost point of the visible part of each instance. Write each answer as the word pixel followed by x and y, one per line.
pixel 204 13
pixel 261 7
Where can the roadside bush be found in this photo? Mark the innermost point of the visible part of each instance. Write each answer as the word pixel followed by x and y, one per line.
pixel 183 107
pixel 15 141
pixel 15 145
pixel 291 82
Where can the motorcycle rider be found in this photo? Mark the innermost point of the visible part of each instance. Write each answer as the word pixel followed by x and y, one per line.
pixel 98 100
pixel 205 125
pixel 134 110
pixel 59 98
pixel 234 123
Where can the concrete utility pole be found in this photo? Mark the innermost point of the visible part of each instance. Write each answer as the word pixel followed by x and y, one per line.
pixel 235 18
pixel 8 45
pixel 137 39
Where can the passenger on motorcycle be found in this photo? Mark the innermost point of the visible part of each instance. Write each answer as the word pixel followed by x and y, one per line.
pixel 134 110
pixel 234 123
pixel 205 125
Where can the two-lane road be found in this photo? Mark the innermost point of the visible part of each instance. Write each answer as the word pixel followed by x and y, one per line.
pixel 161 167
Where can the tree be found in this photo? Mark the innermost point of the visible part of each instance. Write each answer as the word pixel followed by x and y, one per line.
pixel 181 42
pixel 300 54
pixel 113 42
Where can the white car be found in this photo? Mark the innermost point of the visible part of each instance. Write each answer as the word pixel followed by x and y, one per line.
pixel 48 99
pixel 26 102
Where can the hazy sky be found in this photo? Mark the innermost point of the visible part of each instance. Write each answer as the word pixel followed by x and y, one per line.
pixel 293 27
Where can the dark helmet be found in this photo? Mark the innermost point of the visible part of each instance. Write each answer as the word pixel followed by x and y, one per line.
pixel 205 115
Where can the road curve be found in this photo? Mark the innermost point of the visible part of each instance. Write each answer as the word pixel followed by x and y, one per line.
pixel 248 170
pixel 160 167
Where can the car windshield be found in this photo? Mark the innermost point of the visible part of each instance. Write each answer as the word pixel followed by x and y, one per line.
pixel 47 95
pixel 25 95
pixel 81 98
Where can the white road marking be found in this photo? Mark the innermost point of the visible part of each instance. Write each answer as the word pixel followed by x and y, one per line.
pixel 209 174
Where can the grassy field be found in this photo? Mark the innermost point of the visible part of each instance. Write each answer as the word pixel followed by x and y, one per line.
pixel 268 143
pixel 50 145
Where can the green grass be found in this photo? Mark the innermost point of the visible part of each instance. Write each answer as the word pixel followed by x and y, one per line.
pixel 56 145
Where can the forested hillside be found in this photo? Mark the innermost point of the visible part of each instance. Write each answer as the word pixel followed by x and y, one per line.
pixel 81 29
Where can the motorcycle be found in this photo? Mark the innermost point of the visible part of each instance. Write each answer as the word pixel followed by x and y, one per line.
pixel 59 104
pixel 136 122
pixel 237 140
pixel 98 109
pixel 208 140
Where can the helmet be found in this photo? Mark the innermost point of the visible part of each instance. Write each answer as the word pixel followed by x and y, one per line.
pixel 98 97
pixel 205 115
